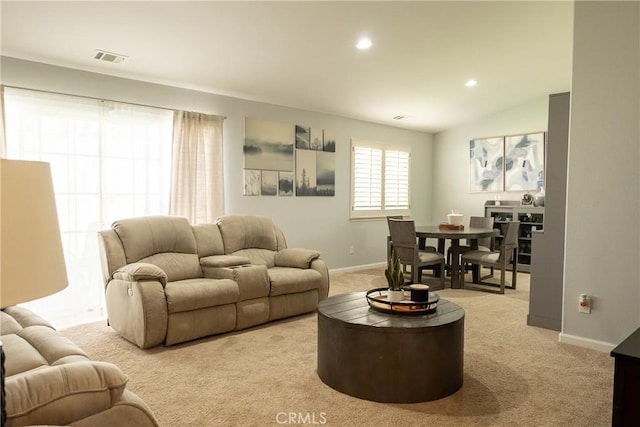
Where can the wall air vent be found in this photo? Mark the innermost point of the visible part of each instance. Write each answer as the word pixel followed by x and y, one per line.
pixel 103 55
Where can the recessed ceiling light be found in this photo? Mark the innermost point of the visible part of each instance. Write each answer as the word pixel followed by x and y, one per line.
pixel 471 83
pixel 364 43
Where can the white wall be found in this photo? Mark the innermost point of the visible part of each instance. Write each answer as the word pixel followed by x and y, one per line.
pixel 451 157
pixel 316 222
pixel 603 215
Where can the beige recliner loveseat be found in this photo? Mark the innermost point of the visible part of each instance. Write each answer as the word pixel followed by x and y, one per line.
pixel 51 381
pixel 167 281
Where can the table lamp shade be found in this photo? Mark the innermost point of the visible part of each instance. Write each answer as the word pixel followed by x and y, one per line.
pixel 31 256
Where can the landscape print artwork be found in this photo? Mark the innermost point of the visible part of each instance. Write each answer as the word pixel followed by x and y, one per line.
pixel 315 164
pixel 305 173
pixel 326 174
pixel 285 184
pixel 282 159
pixel 252 182
pixel 524 162
pixel 316 140
pixel 268 145
pixel 329 144
pixel 486 158
pixel 302 137
pixel 269 183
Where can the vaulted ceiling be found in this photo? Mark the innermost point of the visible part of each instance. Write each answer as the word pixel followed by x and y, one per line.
pixel 303 55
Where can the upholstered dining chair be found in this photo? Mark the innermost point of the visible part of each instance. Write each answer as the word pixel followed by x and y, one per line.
pixel 484 244
pixel 426 248
pixel 506 256
pixel 403 238
pixel 389 243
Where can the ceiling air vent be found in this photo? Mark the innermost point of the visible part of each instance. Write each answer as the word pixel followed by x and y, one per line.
pixel 109 56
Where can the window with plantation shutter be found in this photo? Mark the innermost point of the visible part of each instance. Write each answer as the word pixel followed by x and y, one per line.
pixel 367 178
pixel 396 179
pixel 379 180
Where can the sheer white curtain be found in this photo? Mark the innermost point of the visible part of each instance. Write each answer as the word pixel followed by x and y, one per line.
pixel 108 161
pixel 3 144
pixel 197 174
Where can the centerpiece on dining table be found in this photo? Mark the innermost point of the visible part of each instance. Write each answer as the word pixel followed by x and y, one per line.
pixel 454 221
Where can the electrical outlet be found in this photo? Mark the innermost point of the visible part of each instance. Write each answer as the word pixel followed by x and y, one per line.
pixel 352 250
pixel 584 304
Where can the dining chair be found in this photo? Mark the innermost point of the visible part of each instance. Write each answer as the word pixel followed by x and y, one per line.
pixel 484 243
pixel 390 244
pixel 506 256
pixel 403 238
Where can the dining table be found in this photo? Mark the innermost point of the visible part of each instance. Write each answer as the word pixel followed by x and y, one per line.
pixel 471 234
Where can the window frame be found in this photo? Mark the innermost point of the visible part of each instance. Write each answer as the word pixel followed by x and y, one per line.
pixel 382 212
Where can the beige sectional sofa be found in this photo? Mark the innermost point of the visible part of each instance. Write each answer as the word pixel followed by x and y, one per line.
pixel 167 281
pixel 49 380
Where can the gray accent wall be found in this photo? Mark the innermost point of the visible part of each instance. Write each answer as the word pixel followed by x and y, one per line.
pixel 547 255
pixel 602 254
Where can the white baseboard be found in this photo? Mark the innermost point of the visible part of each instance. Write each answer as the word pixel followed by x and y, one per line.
pixel 357 267
pixel 602 346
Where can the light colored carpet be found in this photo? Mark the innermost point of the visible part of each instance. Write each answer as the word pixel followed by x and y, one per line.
pixel 513 374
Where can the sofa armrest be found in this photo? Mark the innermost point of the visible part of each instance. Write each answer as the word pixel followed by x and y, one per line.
pixel 296 257
pixel 141 271
pixel 320 266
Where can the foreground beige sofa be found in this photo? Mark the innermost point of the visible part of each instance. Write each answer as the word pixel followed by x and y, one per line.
pixel 168 281
pixel 49 380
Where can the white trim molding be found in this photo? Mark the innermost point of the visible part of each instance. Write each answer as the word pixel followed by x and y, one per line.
pixel 357 267
pixel 602 346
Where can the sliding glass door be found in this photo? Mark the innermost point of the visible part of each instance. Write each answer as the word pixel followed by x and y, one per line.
pixel 109 161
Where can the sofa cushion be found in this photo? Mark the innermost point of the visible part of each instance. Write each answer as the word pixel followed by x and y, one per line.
pixel 208 239
pixel 146 236
pixel 63 393
pixel 296 257
pixel 247 231
pixel 37 346
pixel 193 294
pixel 13 319
pixel 29 342
pixel 286 280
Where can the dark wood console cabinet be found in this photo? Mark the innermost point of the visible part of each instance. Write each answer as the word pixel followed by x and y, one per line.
pixel 626 381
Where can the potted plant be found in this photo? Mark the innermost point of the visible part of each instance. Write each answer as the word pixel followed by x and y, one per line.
pixel 395 278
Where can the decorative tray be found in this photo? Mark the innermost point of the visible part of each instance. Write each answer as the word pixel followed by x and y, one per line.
pixel 377 299
pixel 450 227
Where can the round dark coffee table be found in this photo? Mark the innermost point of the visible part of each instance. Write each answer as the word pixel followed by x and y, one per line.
pixel 389 358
